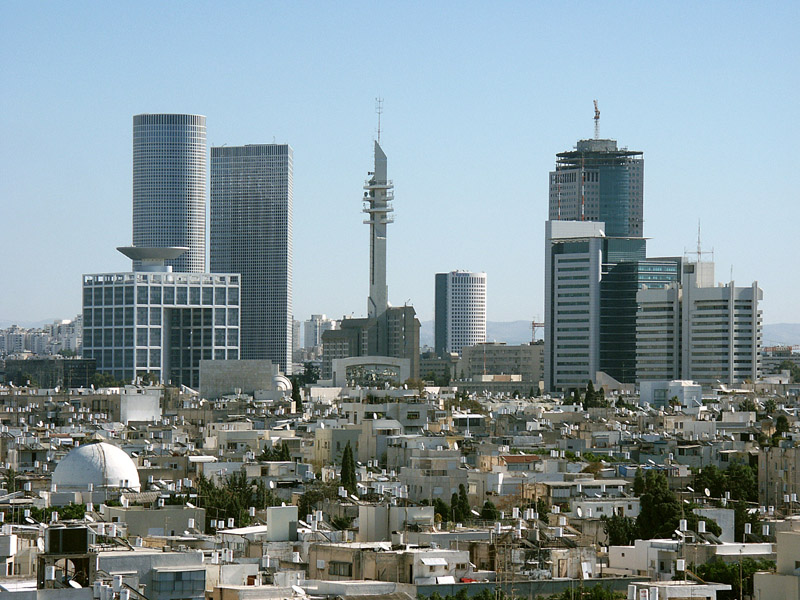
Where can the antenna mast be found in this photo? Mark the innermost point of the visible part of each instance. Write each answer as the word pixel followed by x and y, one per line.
pixel 596 121
pixel 379 110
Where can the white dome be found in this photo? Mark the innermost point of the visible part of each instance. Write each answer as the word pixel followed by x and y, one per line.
pixel 281 383
pixel 103 465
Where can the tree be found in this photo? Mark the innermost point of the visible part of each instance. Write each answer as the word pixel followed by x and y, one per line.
pixel 455 508
pixel 734 572
pixel 739 479
pixel 276 453
pixel 781 424
pixel 463 503
pixel 489 511
pixel 348 473
pixel 589 398
pixel 415 384
pixel 310 374
pixel 542 508
pixel 748 405
pixel 638 483
pixel 770 406
pixel 296 398
pixel 742 515
pixel 742 482
pixel 659 510
pixel 441 509
pixel 621 531
pixel 794 370
pixel 10 479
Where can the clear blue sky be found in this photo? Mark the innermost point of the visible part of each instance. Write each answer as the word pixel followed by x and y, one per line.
pixel 479 96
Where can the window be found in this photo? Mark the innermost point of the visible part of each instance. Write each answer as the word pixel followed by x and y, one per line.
pixel 340 569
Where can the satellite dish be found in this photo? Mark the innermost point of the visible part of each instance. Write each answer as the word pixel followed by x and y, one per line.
pixel 298 590
pixel 707 492
pixel 271 485
pixel 89 518
pixel 29 520
pixel 190 505
pixel 690 488
pixel 475 512
pixel 40 544
pixel 579 512
pixel 75 584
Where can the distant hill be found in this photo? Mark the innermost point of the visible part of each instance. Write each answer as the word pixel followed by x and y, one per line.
pixel 510 332
pixel 782 334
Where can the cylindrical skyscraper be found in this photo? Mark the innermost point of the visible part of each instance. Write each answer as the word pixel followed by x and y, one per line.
pixel 169 186
pixel 460 304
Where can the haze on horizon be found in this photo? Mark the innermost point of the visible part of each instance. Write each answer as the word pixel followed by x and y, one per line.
pixel 478 99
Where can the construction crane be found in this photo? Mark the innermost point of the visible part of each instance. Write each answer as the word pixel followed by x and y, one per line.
pixel 534 326
pixel 596 121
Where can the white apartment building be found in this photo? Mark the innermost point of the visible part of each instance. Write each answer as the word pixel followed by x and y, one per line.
pixel 314 328
pixel 698 331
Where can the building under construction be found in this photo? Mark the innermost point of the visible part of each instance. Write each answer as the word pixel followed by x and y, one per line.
pixel 599 182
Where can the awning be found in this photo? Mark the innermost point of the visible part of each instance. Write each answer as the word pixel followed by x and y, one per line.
pixel 434 562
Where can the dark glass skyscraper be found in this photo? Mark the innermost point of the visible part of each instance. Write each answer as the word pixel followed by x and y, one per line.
pixel 251 234
pixel 169 187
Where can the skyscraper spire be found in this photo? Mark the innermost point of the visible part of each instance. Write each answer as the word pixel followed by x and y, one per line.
pixel 378 205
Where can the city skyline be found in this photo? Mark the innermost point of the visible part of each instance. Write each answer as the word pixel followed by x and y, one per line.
pixel 489 117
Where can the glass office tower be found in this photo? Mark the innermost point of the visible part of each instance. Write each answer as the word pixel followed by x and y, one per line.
pixel 251 234
pixel 169 187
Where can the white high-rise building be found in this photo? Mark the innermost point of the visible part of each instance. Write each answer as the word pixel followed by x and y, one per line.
pixel 698 331
pixel 460 318
pixel 169 187
pixel 251 234
pixel 314 328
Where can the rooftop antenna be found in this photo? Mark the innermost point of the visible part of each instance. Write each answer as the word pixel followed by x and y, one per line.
pixel 379 110
pixel 699 250
pixel 596 121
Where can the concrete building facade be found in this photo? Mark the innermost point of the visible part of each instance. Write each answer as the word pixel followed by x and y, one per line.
pixel 696 330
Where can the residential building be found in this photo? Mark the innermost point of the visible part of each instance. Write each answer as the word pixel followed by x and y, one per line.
pixel 460 311
pixel 498 358
pixel 778 476
pixel 169 187
pixel 784 584
pixel 694 330
pixel 251 234
pixel 597 181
